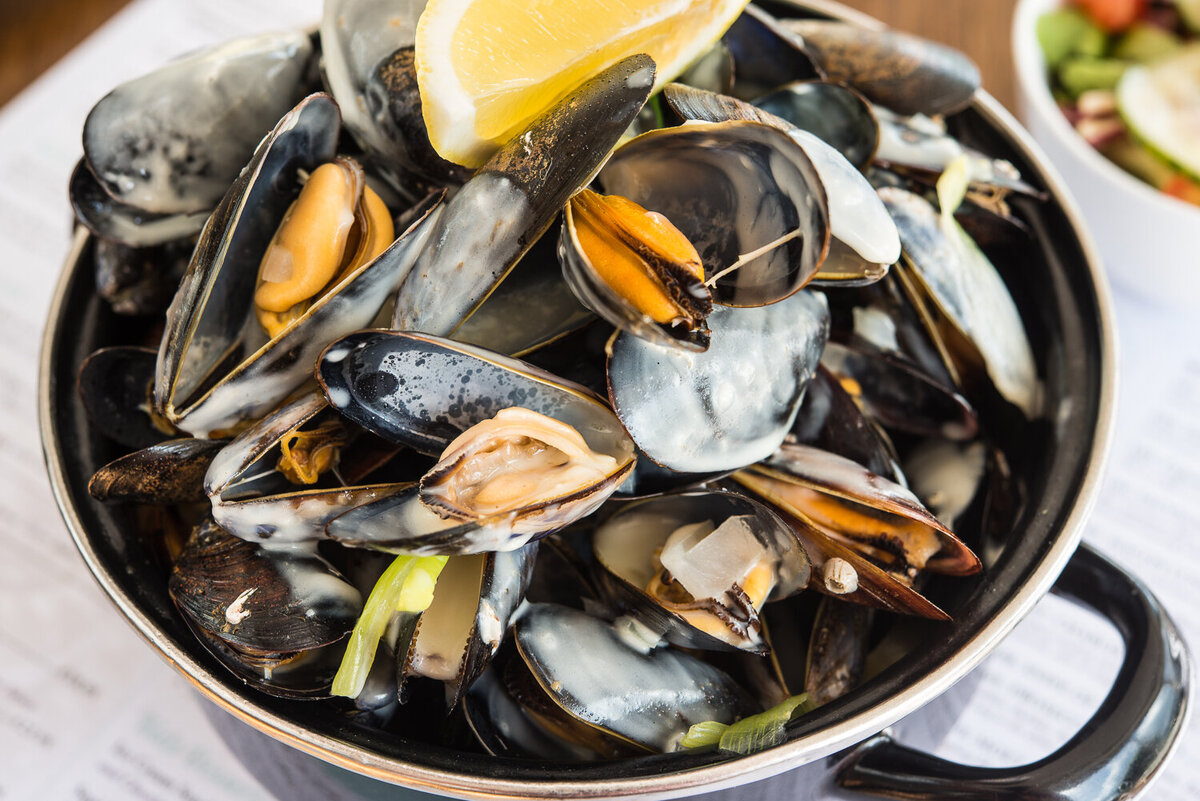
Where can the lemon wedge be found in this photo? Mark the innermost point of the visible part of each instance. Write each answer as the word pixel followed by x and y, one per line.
pixel 1160 103
pixel 486 68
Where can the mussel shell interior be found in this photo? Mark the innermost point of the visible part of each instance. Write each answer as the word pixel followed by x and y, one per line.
pixel 863 237
pixel 626 542
pixel 114 385
pixel 731 188
pixel 836 114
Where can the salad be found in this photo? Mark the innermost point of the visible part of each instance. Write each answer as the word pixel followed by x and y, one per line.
pixel 1126 73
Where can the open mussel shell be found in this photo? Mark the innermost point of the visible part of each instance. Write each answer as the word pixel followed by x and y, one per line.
pixel 164 473
pixel 731 405
pixel 172 141
pixel 596 294
pixel 900 521
pixel 903 72
pixel 863 239
pixel 114 385
pixel 269 507
pixel 265 608
pixel 765 54
pixel 405 524
pixel 215 370
pixel 114 221
pixel 873 586
pixel 956 285
pixel 423 392
pixel 645 699
pixel 835 114
pixel 733 189
pixel 625 545
pixel 462 629
pixel 205 321
pixel 514 198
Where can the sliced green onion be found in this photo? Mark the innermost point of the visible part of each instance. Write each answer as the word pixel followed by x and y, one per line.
pixel 765 729
pixel 704 735
pixel 952 185
pixel 406 586
pixel 751 734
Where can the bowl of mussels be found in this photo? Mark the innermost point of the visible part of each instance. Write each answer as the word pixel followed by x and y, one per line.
pixel 716 423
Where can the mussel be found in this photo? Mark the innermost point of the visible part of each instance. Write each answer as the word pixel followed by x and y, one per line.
pixel 698 567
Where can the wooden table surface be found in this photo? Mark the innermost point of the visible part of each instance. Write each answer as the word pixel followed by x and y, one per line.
pixel 33 35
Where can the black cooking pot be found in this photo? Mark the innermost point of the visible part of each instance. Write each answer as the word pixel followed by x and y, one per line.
pixel 1057 284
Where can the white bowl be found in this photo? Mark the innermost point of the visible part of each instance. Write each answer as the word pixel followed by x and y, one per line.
pixel 1148 240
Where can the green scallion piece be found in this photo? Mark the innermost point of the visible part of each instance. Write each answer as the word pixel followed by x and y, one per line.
pixel 952 185
pixel 406 586
pixel 704 735
pixel 765 729
pixel 750 734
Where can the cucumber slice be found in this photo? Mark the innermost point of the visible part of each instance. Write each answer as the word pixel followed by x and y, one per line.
pixel 1078 75
pixel 1160 103
pixel 1144 44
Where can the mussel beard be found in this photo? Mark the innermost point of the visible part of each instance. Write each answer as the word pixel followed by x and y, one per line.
pixel 516 460
pixel 734 615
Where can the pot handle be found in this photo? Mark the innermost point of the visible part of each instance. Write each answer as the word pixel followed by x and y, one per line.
pixel 1113 756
